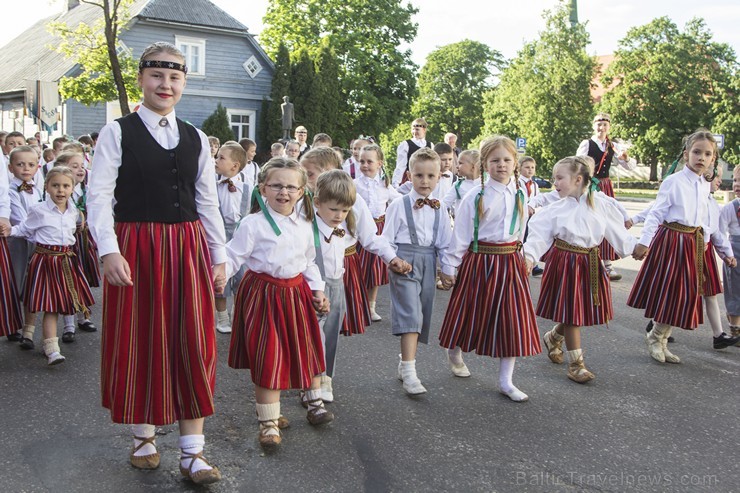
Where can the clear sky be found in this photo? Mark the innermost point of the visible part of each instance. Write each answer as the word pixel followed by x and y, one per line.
pixel 503 25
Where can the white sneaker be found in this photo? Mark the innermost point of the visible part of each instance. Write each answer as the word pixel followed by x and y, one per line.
pixel 327 393
pixel 375 317
pixel 458 369
pixel 413 386
pixel 223 328
pixel 223 324
pixel 55 358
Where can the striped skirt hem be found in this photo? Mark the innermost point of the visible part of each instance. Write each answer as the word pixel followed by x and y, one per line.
pixel 358 308
pixel 373 267
pixel 565 293
pixel 490 310
pixel 55 282
pixel 275 332
pixel 87 251
pixel 712 280
pixel 158 340
pixel 667 285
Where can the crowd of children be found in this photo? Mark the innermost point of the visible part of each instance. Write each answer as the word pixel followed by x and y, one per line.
pixel 186 225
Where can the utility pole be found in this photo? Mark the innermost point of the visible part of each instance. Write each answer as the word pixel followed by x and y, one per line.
pixel 573 13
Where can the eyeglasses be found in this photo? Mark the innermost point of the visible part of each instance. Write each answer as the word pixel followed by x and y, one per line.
pixel 420 126
pixel 277 187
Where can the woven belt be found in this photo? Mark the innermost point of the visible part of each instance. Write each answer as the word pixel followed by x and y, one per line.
pixel 380 219
pixel 593 264
pixel 497 249
pixel 350 250
pixel 68 278
pixel 698 233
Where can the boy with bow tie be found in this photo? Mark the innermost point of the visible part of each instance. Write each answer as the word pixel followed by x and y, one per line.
pixel 419 231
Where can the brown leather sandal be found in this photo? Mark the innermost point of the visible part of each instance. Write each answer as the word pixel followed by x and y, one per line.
pixel 271 442
pixel 204 476
pixel 315 416
pixel 150 461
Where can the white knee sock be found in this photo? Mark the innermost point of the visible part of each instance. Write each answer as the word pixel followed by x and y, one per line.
pixel 69 323
pixel 713 315
pixel 506 373
pixel 192 444
pixel 143 431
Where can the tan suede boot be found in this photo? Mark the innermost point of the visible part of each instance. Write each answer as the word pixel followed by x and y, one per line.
pixel 654 340
pixel 577 369
pixel 554 344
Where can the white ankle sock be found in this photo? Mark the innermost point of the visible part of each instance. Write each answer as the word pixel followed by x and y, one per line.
pixel 269 412
pixel 192 444
pixel 315 395
pixel 81 317
pixel 69 323
pixel 715 322
pixel 143 431
pixel 574 354
pixel 51 345
pixel 505 374
pixel 408 370
pixel 222 316
pixel 372 306
pixel 455 355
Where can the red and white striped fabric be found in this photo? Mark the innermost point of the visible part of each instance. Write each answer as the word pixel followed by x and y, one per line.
pixel 275 332
pixel 565 293
pixel 158 340
pixel 490 311
pixel 373 267
pixel 87 253
pixel 667 284
pixel 358 308
pixel 712 278
pixel 49 289
pixel 10 307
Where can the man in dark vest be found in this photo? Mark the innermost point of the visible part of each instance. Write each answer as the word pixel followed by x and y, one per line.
pixel 407 148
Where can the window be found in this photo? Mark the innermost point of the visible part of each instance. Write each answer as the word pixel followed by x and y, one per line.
pixel 242 123
pixel 194 50
pixel 252 66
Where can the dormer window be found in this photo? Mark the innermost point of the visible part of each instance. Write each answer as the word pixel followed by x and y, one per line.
pixel 194 50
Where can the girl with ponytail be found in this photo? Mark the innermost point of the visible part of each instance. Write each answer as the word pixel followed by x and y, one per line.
pixel 575 288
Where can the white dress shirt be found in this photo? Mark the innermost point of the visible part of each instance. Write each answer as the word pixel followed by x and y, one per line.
pixel 107 160
pixel 376 194
pixel 713 231
pixel 396 229
pixel 402 153
pixel 230 203
pixel 250 174
pixel 332 249
pixel 4 198
pixel 256 245
pixel 682 198
pixel 47 225
pixel 494 225
pixel 451 199
pixel 523 185
pixel 729 223
pixel 21 202
pixel 629 164
pixel 545 199
pixel 572 220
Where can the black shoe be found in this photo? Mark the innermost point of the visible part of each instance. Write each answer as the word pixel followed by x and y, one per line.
pixel 537 271
pixel 723 340
pixel 26 343
pixel 68 337
pixel 649 327
pixel 87 326
pixel 15 337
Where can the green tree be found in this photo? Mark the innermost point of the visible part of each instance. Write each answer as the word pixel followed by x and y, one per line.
pixel 303 91
pixel 726 111
pixel 377 78
pixel 544 92
pixel 272 123
pixel 107 72
pixel 667 84
pixel 451 87
pixel 217 125
pixel 328 91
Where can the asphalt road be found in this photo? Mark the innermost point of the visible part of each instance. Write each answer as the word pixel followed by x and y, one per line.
pixel 639 426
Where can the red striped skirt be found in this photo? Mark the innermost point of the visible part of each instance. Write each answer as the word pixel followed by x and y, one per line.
pixel 712 279
pixel 55 282
pixel 358 308
pixel 667 284
pixel 158 343
pixel 606 251
pixel 375 270
pixel 490 310
pixel 565 295
pixel 10 305
pixel 87 253
pixel 605 184
pixel 275 332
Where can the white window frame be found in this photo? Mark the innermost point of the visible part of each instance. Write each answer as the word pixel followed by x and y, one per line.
pixel 252 73
pixel 200 43
pixel 252 122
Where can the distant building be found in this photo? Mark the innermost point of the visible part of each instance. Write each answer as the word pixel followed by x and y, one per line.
pixel 226 65
pixel 598 91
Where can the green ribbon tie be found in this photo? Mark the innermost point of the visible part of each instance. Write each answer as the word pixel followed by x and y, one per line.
pixel 519 197
pixel 476 221
pixel 256 196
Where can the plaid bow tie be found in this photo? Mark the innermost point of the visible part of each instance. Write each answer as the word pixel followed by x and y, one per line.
pixel 446 175
pixel 25 187
pixel 338 232
pixel 433 203
pixel 232 187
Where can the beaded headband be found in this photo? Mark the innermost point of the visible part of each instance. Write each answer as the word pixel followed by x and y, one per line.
pixel 602 119
pixel 162 64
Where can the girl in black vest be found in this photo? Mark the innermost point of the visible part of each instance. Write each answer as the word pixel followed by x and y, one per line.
pixel 163 250
pixel 602 150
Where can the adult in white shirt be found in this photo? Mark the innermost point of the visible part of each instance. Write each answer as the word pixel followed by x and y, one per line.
pixel 407 148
